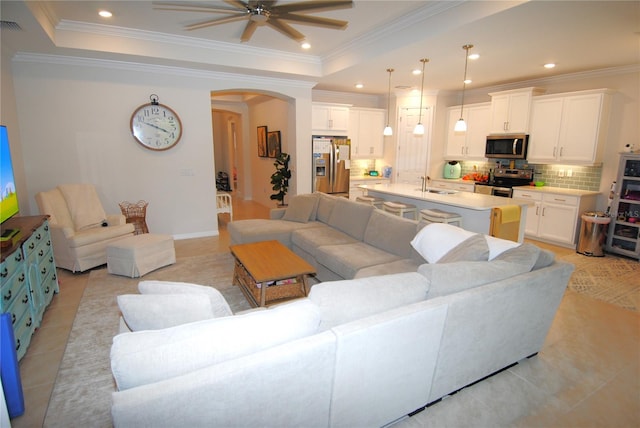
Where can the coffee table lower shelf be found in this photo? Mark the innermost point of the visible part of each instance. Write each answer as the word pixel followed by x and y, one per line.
pixel 269 292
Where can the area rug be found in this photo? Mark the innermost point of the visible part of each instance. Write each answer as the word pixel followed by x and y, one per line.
pixel 612 279
pixel 83 387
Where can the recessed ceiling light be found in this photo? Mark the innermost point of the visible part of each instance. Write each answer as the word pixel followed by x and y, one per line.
pixel 359 85
pixel 549 65
pixel 105 14
pixel 305 45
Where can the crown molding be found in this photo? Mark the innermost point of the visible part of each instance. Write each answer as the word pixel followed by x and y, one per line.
pixel 158 69
pixel 164 39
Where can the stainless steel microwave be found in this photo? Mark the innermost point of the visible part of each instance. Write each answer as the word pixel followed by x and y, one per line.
pixel 507 146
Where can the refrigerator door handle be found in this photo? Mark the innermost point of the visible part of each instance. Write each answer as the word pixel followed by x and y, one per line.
pixel 333 166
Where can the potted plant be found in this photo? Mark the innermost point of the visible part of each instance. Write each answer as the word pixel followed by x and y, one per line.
pixel 280 178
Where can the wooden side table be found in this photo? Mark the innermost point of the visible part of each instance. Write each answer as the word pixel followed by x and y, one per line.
pixel 136 214
pixel 268 272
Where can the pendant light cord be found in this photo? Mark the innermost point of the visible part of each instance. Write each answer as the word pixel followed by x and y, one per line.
pixel 424 62
pixel 390 70
pixel 464 81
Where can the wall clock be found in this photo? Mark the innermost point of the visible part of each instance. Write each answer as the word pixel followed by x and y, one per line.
pixel 155 126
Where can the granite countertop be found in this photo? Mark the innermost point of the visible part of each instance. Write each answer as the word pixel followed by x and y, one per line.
pixel 473 201
pixel 557 190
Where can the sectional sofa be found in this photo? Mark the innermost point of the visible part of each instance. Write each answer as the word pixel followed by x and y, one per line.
pixel 361 352
pixel 342 239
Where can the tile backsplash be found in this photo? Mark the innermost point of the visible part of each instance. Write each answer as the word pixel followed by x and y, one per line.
pixel 566 176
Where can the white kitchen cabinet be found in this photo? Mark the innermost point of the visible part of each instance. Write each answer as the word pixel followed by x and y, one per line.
pixel 355 190
pixel 454 185
pixel 510 110
pixel 555 217
pixel 365 132
pixel 569 128
pixel 330 119
pixel 470 144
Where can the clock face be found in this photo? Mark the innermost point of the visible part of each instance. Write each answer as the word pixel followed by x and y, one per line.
pixel 156 126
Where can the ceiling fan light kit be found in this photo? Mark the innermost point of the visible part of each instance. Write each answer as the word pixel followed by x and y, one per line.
pixel 269 13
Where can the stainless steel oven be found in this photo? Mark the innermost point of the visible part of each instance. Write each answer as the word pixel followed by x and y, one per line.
pixel 504 192
pixel 503 182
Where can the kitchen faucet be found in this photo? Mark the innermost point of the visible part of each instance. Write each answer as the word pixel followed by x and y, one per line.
pixel 426 182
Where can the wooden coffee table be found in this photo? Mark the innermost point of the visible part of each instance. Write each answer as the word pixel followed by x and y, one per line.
pixel 268 272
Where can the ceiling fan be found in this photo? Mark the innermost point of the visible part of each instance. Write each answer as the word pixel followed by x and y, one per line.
pixel 264 12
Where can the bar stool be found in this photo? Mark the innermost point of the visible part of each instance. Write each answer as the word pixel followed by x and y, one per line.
pixel 371 200
pixel 439 216
pixel 400 208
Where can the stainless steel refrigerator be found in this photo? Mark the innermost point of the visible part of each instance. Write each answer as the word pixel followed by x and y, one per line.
pixel 331 164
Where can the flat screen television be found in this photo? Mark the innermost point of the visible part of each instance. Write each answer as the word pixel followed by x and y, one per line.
pixel 9 197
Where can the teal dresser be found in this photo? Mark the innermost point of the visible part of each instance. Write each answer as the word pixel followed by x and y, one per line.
pixel 28 278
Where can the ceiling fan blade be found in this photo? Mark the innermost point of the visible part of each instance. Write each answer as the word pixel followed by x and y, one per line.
pixel 286 29
pixel 212 22
pixel 238 3
pixel 314 20
pixel 313 6
pixel 192 7
pixel 248 31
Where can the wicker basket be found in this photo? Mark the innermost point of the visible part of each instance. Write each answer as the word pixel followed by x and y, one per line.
pixel 275 291
pixel 136 214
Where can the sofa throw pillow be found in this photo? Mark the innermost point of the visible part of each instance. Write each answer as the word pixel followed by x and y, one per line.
pixel 219 304
pixel 350 217
pixel 157 311
pixel 473 249
pixel 301 209
pixel 437 239
pixel 498 246
pixel 348 300
pixel 149 356
pixel 525 255
pixel 325 207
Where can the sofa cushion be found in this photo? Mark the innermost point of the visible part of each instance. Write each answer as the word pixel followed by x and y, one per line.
pixel 254 230
pixel 145 357
pixel 347 259
pixel 219 304
pixel 546 258
pixel 350 217
pixel 52 203
pixel 344 301
pixel 157 311
pixel 397 266
pixel 312 239
pixel 472 249
pixel 99 234
pixel 448 278
pixel 302 208
pixel 390 233
pixel 325 207
pixel 84 205
pixel 436 239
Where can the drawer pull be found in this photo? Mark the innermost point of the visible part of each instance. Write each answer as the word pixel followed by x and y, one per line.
pixel 25 299
pixel 559 200
pixel 32 246
pixel 46 227
pixel 13 318
pixel 40 253
pixel 44 270
pixel 17 344
pixel 4 273
pixel 30 322
pixel 47 289
pixel 21 278
pixel 8 296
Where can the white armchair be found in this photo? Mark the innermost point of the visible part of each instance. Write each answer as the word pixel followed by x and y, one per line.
pixel 80 229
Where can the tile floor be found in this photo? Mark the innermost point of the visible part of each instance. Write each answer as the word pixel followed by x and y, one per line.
pixel 588 373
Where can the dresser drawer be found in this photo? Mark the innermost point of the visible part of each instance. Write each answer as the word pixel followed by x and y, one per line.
pixel 18 308
pixel 12 288
pixel 33 242
pixel 22 331
pixel 9 265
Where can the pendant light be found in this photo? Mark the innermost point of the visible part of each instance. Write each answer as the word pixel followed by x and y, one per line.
pixel 419 129
pixel 388 131
pixel 461 125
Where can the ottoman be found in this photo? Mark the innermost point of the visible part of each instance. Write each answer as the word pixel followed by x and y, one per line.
pixel 138 255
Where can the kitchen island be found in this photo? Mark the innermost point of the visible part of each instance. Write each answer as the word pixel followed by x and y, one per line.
pixel 475 208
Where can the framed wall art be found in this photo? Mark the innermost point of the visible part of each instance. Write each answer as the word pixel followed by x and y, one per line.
pixel 262 142
pixel 273 143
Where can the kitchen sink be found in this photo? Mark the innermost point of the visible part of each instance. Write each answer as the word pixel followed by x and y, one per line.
pixel 439 191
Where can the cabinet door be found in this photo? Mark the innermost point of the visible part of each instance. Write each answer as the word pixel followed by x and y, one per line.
pixel 477 131
pixel 519 111
pixel 499 113
pixel 531 227
pixel 546 116
pixel 339 119
pixel 579 131
pixel 558 222
pixel 354 129
pixel 329 120
pixel 456 141
pixel 370 137
pixel 320 116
